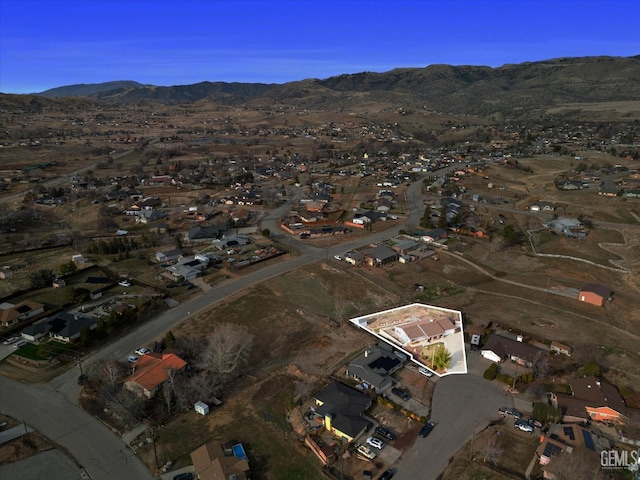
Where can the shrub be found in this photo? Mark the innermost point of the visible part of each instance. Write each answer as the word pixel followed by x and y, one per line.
pixel 502 377
pixel 491 372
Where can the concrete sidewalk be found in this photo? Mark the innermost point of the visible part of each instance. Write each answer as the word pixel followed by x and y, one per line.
pixel 15 432
pixel 131 435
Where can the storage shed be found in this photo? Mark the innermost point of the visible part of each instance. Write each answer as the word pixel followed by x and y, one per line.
pixel 201 408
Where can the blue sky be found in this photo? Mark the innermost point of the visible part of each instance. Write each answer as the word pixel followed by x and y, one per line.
pixel 51 43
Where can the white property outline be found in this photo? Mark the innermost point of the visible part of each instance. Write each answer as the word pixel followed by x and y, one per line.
pixel 361 322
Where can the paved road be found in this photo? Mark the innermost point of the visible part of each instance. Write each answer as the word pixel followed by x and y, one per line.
pixel 93 445
pixel 52 409
pixel 461 403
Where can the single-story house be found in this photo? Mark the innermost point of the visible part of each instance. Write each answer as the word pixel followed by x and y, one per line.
pixel 405 246
pixel 150 372
pixel 205 233
pixel 434 235
pixel 64 326
pixel 594 294
pixel 542 206
pixel 566 437
pixel 425 331
pixel 214 461
pixel 499 348
pixel 560 348
pixel 14 314
pixel 354 258
pixel 374 369
pixel 341 408
pixel 187 268
pixel 379 255
pixel 590 399
pixel 168 256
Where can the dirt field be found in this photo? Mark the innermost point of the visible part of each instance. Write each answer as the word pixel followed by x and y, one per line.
pixel 21 447
pixel 515 450
pixel 298 321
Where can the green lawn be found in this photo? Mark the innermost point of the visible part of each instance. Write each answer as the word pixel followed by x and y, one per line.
pixel 44 350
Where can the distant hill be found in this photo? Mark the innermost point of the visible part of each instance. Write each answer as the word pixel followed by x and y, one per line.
pixel 87 89
pixel 524 90
pixel 225 92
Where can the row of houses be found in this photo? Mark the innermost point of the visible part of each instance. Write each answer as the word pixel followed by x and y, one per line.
pixel 590 398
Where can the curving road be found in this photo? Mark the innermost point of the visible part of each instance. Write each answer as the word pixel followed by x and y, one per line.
pixel 53 410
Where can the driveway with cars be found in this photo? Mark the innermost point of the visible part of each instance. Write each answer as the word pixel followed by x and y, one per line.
pixel 461 404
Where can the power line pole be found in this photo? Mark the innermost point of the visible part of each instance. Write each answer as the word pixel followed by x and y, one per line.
pixel 473 438
pixel 26 432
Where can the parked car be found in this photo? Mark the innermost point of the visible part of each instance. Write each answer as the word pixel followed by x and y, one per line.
pixel 124 283
pixel 387 475
pixel 535 423
pixel 338 258
pixel 524 426
pixel 375 442
pixel 20 343
pixel 366 452
pixel 184 476
pixel 132 359
pixel 385 432
pixel 142 351
pixel 509 412
pixel 426 430
pixel 403 394
pixel 10 340
pixel 426 372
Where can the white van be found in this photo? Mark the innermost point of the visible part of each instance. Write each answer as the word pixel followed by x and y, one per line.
pixel 21 343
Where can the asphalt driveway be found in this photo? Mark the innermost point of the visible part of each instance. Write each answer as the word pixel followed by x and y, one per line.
pixel 461 403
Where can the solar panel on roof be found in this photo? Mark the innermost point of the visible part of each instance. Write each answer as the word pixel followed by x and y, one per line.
pixel 588 440
pixel 568 432
pixel 385 363
pixel 551 450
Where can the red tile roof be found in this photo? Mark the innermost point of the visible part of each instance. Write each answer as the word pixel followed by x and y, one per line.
pixel 151 370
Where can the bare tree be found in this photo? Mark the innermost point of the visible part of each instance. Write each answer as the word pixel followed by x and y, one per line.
pixel 191 346
pixel 128 406
pixel 202 386
pixel 540 365
pixel 226 351
pixel 490 449
pixel 169 389
pixel 111 373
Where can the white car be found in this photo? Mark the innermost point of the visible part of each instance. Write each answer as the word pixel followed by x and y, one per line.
pixel 20 344
pixel 142 351
pixel 425 372
pixel 132 359
pixel 124 283
pixel 338 258
pixel 10 340
pixel 375 442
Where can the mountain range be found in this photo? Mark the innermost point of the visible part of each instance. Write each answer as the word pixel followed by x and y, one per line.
pixel 513 91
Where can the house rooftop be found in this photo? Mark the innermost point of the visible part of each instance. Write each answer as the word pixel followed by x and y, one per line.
pixel 152 369
pixel 600 290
